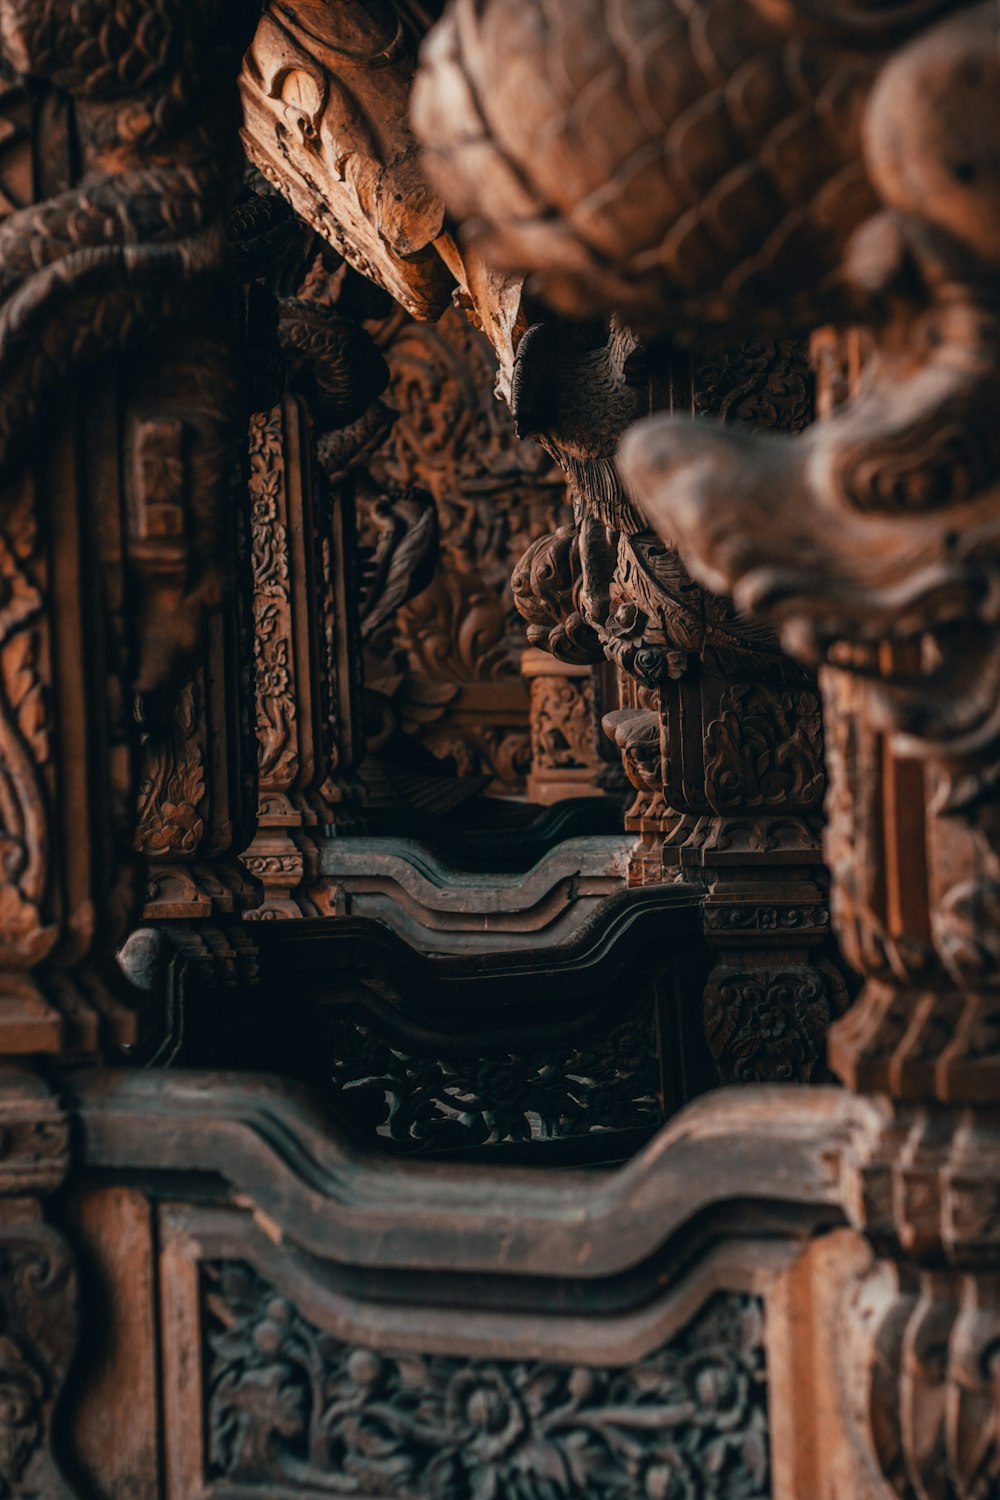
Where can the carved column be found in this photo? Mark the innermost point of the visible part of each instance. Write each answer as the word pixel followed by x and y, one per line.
pixel 306 587
pixel 198 782
pixel 114 526
pixel 287 645
pixel 119 417
pixel 720 734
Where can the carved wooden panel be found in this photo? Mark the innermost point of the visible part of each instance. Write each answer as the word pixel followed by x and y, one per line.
pixel 288 1405
pixel 789 1292
pixel 578 1046
pixel 450 667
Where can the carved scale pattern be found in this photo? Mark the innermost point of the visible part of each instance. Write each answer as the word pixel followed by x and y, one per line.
pixel 293 1407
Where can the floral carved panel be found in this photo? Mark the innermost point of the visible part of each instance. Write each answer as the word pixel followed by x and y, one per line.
pixel 417 1102
pixel 292 1407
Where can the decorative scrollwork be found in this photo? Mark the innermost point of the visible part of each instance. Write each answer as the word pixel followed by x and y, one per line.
pixel 25 936
pixel 419 1102
pixel 38 1316
pixel 290 1406
pixel 765 750
pixel 770 1026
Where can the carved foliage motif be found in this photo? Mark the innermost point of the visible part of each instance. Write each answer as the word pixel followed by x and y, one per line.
pixel 37 1335
pixel 769 1026
pixel 765 750
pixel 171 812
pixel 495 492
pixel 276 706
pixel 761 387
pixel 24 740
pixel 291 1406
pixel 562 723
pixel 420 1102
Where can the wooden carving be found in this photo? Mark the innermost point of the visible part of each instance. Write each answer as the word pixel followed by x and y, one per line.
pixel 720 734
pixel 325 92
pixel 567 742
pixel 786 1292
pixel 132 244
pixel 449 669
pixel 717 184
pixel 691 1414
pixel 117 163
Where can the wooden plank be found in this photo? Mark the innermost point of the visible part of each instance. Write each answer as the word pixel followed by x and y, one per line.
pixel 116 1417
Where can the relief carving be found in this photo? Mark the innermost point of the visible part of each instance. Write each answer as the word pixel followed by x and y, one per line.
pixel 770 1026
pixel 289 1405
pixel 718 188
pixel 416 1103
pixel 38 1317
pixel 765 750
pixel 451 664
pixel 562 721
pixel 133 245
pixel 931 1408
pixel 25 935
pixel 867 540
pixel 172 791
pixel 325 93
pixel 273 666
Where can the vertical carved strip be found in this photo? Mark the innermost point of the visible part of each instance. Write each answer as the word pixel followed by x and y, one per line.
pixel 305 660
pixel 38 1288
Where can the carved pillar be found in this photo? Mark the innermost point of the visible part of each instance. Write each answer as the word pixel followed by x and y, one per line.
pixel 306 658
pixel 720 734
pixel 306 592
pixel 119 415
pixel 198 781
pixel 286 653
pixel 114 527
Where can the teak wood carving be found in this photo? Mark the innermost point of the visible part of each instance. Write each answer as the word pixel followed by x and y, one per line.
pixel 814 164
pixel 738 263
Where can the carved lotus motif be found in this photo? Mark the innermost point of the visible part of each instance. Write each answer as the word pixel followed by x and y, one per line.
pixel 481 1408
